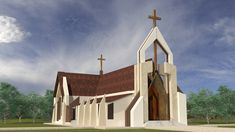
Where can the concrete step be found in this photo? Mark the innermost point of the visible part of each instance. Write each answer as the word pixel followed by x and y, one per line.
pixel 162 123
pixel 74 123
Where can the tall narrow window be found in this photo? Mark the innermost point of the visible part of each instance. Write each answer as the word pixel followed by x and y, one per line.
pixel 74 113
pixel 98 108
pixel 110 111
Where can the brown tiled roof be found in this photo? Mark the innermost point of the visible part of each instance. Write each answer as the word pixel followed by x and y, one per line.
pixel 78 84
pixel 116 81
pixel 91 85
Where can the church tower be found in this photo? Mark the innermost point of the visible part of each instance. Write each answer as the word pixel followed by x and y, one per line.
pixel 157 83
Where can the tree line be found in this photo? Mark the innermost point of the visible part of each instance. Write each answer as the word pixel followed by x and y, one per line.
pixel 209 105
pixel 14 104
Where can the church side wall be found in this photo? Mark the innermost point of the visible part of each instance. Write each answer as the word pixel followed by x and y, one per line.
pixel 85 98
pixel 119 112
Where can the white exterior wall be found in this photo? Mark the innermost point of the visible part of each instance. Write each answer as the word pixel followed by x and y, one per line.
pixel 137 113
pixel 85 98
pixel 182 108
pixel 119 112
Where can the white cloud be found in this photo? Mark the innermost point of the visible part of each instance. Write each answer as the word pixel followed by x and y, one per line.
pixel 10 31
pixel 226 75
pixel 226 29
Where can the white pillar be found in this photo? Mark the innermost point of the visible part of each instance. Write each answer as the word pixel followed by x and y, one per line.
pixel 93 113
pixel 63 113
pixel 81 114
pixel 145 68
pixel 87 113
pixel 102 113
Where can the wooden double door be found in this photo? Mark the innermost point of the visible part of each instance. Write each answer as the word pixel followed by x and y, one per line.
pixel 153 103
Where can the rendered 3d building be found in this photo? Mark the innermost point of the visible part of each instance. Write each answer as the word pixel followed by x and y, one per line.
pixel 144 94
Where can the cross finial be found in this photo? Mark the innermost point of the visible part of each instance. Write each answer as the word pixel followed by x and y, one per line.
pixel 101 59
pixel 154 18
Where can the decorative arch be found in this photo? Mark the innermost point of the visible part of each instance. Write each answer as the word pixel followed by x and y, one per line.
pixel 154 36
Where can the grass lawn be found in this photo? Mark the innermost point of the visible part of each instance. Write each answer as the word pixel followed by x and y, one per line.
pixel 24 123
pixel 96 130
pixel 39 123
pixel 213 121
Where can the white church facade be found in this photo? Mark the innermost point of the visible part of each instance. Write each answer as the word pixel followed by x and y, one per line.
pixel 139 95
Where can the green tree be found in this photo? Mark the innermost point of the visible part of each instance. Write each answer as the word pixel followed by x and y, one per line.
pixel 35 104
pixel 8 95
pixel 203 104
pixel 47 105
pixel 4 110
pixel 21 107
pixel 226 101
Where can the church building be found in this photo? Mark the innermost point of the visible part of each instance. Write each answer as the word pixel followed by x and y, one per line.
pixel 140 95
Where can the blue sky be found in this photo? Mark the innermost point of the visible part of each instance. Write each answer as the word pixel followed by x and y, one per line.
pixel 39 38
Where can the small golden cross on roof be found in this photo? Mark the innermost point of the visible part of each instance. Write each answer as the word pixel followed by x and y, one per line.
pixel 101 59
pixel 154 18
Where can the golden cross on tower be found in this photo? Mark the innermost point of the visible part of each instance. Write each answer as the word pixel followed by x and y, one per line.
pixel 154 18
pixel 101 59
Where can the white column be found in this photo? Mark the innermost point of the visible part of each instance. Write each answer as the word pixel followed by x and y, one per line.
pixel 145 68
pixel 55 109
pixel 102 113
pixel 87 113
pixel 81 114
pixel 54 114
pixel 93 113
pixel 77 114
pixel 63 113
